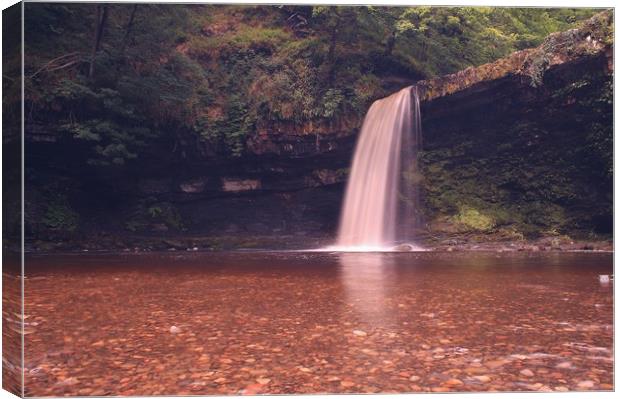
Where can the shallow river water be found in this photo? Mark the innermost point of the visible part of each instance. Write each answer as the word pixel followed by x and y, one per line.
pixel 291 322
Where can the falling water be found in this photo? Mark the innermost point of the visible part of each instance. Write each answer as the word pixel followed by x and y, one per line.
pixel 381 201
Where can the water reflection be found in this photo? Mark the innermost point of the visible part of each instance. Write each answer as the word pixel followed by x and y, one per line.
pixel 367 279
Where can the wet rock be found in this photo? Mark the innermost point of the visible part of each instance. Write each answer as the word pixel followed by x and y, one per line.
pixel 237 185
pixel 414 378
pixel 360 333
pixel 263 381
pixel 564 365
pixel 174 244
pixel 193 186
pixel 404 248
pixel 175 330
pixel 482 378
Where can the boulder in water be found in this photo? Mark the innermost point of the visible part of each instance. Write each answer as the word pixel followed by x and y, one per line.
pixel 404 248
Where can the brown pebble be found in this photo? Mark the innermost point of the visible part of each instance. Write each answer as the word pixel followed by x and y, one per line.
pixel 585 384
pixel 527 372
pixel 475 370
pixel 564 365
pixel 493 364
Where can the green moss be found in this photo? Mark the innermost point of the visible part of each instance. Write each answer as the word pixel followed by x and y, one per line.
pixel 246 38
pixel 473 219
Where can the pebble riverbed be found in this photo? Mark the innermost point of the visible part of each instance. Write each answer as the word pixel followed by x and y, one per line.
pixel 289 322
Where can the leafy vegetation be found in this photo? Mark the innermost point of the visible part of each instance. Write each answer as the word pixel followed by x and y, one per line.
pixel 149 215
pixel 60 216
pixel 214 73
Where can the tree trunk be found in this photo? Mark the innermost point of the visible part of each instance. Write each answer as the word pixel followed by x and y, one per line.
pixel 391 42
pixel 128 28
pixel 331 53
pixel 102 16
pixel 126 38
pixel 332 44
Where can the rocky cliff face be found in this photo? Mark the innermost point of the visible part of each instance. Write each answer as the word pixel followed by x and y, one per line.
pixel 519 147
pixel 522 146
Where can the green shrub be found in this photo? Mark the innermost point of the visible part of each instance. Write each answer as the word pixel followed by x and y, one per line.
pixel 59 216
pixel 148 212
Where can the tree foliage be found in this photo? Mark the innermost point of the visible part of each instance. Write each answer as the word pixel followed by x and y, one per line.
pixel 119 77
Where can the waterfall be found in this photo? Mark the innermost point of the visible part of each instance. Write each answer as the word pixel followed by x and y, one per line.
pixel 381 202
